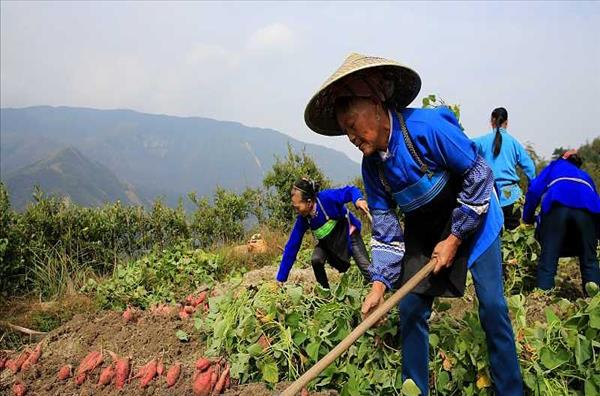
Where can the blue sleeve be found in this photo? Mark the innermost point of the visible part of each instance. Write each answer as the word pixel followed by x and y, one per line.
pixel 387 243
pixel 534 194
pixel 525 161
pixel 291 248
pixel 347 194
pixel 474 199
pixel 449 146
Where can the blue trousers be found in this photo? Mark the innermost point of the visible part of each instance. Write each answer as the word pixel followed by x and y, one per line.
pixel 562 226
pixel 415 311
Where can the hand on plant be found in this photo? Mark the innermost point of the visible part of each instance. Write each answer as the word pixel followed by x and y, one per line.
pixel 362 205
pixel 444 253
pixel 373 300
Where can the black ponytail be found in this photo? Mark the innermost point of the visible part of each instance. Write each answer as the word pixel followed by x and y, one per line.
pixel 308 188
pixel 499 117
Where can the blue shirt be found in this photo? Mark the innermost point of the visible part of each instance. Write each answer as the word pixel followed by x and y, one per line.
pixel 563 183
pixel 444 148
pixel 505 164
pixel 333 202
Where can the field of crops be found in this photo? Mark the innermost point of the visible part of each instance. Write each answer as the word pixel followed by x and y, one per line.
pixel 261 336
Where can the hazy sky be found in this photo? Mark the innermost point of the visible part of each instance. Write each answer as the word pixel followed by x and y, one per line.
pixel 259 62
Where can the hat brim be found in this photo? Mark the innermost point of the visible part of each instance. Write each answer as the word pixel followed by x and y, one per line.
pixel 319 114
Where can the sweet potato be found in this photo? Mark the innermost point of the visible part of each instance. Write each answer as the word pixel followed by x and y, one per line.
pixel 196 300
pixel 129 315
pixel 201 386
pixel 26 366
pixel 189 309
pixel 19 388
pixel 10 364
pixel 35 355
pixel 183 315
pixel 106 376
pixel 220 385
pixel 173 374
pixel 89 363
pixel 228 381
pixel 18 362
pixel 202 364
pixel 65 372
pixel 121 372
pixel 149 374
pixel 214 377
pixel 304 392
pixel 80 379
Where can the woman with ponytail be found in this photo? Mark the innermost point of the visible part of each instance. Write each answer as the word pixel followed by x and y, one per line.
pixel 503 153
pixel 335 228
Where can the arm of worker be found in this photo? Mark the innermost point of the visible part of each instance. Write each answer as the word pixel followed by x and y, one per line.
pixel 291 249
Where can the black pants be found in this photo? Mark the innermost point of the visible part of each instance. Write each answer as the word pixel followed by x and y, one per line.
pixel 563 224
pixel 359 252
pixel 512 217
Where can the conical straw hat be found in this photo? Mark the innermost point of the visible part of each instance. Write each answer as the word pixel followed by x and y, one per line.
pixel 404 85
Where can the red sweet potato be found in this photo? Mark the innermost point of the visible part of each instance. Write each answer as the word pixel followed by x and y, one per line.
pixel 214 377
pixel 80 379
pixel 202 383
pixel 26 366
pixel 65 372
pixel 202 364
pixel 173 374
pixel 189 309
pixel 18 362
pixel 106 376
pixel 228 381
pixel 19 388
pixel 304 392
pixel 220 385
pixel 35 355
pixel 121 372
pixel 89 363
pixel 183 314
pixel 129 315
pixel 149 373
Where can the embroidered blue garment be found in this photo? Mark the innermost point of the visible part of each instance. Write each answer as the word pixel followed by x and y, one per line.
pixel 333 201
pixel 505 164
pixel 562 183
pixel 445 149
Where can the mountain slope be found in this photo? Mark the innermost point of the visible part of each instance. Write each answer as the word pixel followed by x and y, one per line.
pixel 158 154
pixel 68 173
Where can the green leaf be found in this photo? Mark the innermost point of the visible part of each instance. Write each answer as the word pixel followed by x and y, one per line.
pixel 295 294
pixel 595 318
pixel 434 340
pixel 551 316
pixel 255 350
pixel 409 388
pixel 591 289
pixel 182 335
pixel 551 359
pixel 270 373
pixel 312 350
pixel 590 389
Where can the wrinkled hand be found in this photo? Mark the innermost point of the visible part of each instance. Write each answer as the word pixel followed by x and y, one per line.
pixel 362 205
pixel 373 300
pixel 444 252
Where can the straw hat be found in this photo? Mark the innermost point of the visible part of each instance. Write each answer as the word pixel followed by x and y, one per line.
pixel 391 81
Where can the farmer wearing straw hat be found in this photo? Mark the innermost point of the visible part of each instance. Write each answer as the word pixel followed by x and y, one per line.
pixel 421 162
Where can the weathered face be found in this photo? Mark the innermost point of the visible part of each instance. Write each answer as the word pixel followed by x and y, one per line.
pixel 364 124
pixel 301 207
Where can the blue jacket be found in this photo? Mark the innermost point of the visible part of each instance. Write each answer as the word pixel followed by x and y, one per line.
pixel 561 183
pixel 333 202
pixel 505 164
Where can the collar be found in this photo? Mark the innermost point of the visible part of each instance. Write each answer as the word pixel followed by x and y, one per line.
pixel 384 155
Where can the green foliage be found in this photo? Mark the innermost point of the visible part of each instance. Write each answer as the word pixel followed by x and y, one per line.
pixel 222 221
pixel 161 276
pixel 279 181
pixel 433 101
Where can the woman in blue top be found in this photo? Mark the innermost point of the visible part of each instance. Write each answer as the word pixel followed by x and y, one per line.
pixel 335 228
pixel 504 153
pixel 420 162
pixel 569 218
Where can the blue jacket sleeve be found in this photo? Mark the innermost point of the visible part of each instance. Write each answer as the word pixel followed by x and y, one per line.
pixel 387 243
pixel 347 194
pixel 525 161
pixel 291 248
pixel 534 194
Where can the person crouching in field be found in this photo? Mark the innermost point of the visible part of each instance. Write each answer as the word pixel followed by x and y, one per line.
pixel 336 229
pixel 569 220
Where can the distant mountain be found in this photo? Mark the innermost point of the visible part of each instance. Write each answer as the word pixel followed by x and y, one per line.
pixel 158 154
pixel 69 174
